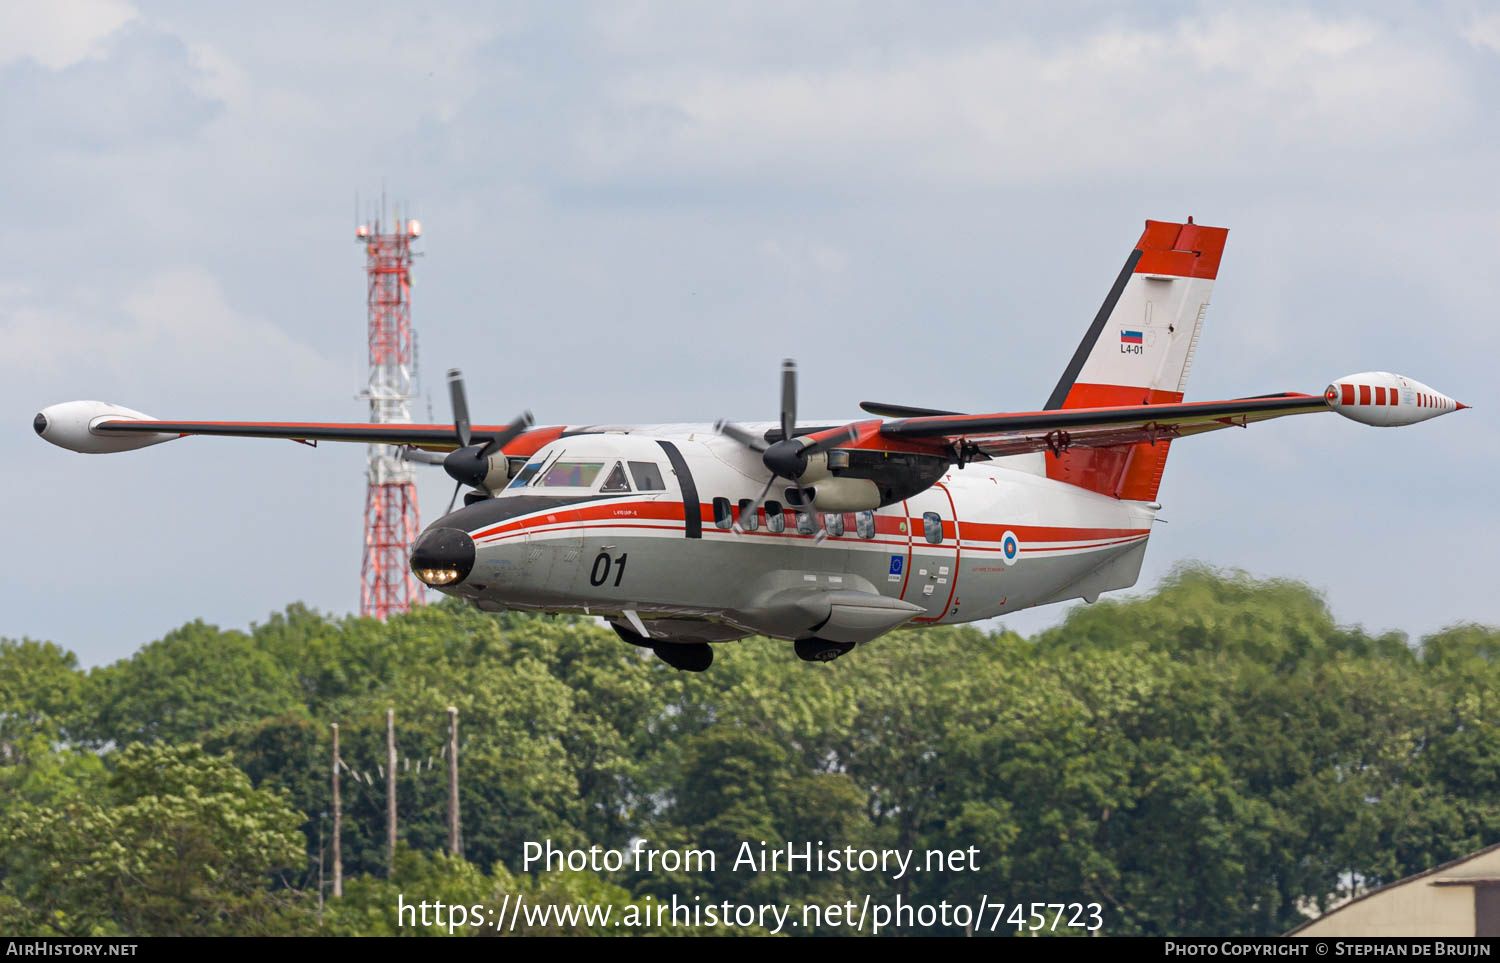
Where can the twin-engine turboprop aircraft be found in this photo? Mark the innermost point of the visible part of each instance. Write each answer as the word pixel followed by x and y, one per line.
pixel 828 535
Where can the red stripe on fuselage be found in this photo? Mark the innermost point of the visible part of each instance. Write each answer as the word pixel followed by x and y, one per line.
pixel 626 511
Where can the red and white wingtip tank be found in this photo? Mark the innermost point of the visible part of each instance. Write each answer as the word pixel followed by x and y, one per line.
pixel 1386 400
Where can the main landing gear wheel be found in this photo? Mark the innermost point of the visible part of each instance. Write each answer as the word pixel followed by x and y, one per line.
pixel 820 650
pixel 687 656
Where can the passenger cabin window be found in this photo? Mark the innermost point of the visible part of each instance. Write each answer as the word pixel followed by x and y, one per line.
pixel 932 527
pixel 616 481
pixel 571 474
pixel 647 476
pixel 775 517
pixel 864 523
pixel 834 524
pixel 807 523
pixel 749 515
pixel 723 513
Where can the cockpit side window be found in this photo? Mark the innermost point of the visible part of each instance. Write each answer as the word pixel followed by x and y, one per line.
pixel 647 475
pixel 571 474
pixel 616 481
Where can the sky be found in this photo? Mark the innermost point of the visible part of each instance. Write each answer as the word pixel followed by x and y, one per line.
pixel 633 210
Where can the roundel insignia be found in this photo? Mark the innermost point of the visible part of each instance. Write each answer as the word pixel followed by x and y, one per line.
pixel 1010 548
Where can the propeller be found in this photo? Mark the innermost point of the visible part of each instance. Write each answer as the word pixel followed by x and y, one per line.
pixel 469 463
pixel 787 458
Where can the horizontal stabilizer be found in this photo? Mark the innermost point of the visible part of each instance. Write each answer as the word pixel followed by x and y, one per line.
pixel 901 411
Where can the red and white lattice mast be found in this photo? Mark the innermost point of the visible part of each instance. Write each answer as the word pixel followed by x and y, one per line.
pixel 386 581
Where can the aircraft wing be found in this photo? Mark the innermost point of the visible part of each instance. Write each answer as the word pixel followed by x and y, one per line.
pixel 436 437
pixel 96 427
pixel 1059 430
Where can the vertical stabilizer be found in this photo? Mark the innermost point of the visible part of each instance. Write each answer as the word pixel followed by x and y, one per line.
pixel 1139 350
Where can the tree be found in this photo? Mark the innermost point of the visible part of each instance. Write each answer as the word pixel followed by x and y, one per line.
pixel 40 694
pixel 184 685
pixel 183 846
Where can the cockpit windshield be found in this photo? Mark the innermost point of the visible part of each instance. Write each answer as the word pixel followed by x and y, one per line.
pixel 607 475
pixel 571 474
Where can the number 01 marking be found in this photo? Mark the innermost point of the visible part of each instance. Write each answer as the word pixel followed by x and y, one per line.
pixel 599 574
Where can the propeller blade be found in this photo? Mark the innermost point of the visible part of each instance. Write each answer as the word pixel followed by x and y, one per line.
pixel 742 435
pixel 508 434
pixel 787 458
pixel 846 434
pixel 761 498
pixel 460 406
pixel 454 500
pixel 788 397
pixel 755 505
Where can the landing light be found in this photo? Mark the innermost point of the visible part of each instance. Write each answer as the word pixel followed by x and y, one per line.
pixel 437 576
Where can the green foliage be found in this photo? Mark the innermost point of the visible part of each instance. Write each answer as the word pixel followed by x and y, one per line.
pixel 39 693
pixel 184 685
pixel 181 845
pixel 1199 612
pixel 1211 758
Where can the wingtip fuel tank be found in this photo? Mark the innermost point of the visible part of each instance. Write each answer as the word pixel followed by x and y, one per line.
pixel 1386 400
pixel 72 424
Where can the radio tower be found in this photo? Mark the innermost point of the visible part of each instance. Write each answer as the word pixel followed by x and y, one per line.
pixel 386 581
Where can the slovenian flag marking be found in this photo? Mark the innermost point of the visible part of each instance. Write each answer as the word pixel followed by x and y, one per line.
pixel 1131 337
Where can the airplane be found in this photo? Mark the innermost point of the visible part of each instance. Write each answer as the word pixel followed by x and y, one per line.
pixel 827 535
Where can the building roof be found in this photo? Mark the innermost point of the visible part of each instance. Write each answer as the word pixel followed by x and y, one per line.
pixel 1449 881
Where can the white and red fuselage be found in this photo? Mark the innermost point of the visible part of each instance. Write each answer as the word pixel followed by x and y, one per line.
pixel 991 538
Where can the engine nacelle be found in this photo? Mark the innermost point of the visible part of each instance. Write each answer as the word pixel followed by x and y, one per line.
pixel 498 473
pixel 846 495
pixel 71 425
pixel 1386 400
pixel 837 493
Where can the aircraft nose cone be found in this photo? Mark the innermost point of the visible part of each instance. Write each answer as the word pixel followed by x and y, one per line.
pixel 443 557
pixel 39 422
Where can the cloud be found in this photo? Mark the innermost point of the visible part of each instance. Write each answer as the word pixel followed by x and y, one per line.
pixel 142 90
pixel 60 33
pixel 175 327
pixel 1199 96
pixel 1484 32
pixel 803 258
